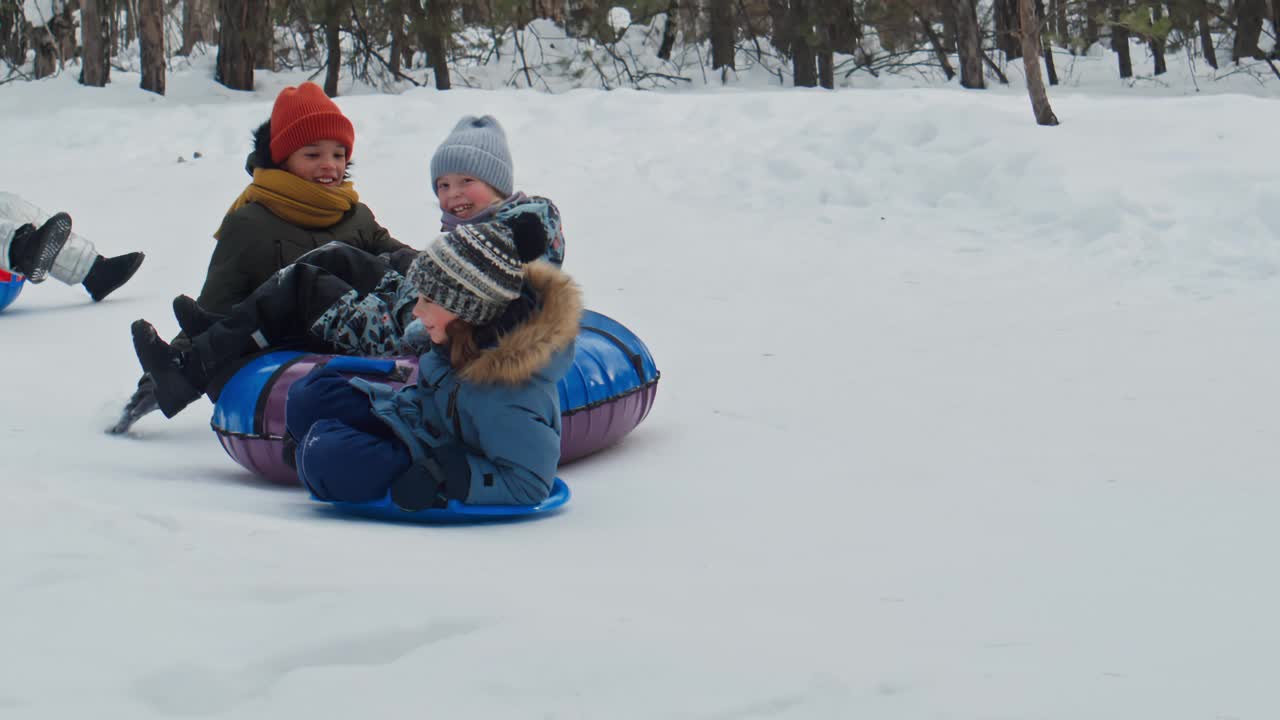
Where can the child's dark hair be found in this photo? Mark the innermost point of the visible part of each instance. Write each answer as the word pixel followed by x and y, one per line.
pixel 261 156
pixel 463 348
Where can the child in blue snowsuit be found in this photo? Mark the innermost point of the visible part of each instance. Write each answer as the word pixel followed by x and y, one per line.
pixel 482 423
pixel 37 245
pixel 336 298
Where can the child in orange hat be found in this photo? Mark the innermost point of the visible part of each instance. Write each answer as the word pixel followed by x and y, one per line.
pixel 301 197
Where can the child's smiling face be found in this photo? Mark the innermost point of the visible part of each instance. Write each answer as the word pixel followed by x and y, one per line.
pixel 464 196
pixel 323 162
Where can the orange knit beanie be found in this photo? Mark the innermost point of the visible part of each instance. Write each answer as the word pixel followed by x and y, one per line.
pixel 303 115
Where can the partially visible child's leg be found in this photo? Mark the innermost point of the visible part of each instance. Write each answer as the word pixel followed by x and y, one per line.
pixel 324 394
pixel 277 314
pixel 338 462
pixel 107 274
pixel 7 230
pixel 364 320
pixel 33 251
pixel 52 250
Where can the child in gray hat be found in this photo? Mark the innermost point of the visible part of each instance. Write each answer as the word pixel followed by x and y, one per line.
pixel 471 174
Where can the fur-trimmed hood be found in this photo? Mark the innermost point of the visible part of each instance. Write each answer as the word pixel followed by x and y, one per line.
pixel 532 346
pixel 502 410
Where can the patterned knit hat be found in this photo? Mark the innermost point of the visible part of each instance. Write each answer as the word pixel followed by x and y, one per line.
pixel 475 271
pixel 303 115
pixel 477 147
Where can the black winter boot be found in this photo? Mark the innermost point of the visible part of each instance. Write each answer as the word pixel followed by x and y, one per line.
pixel 179 377
pixel 107 274
pixel 193 319
pixel 34 249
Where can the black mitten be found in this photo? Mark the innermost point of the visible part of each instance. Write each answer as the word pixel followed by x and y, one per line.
pixel 441 476
pixel 140 404
pixel 456 482
pixel 529 234
pixel 401 259
pixel 418 488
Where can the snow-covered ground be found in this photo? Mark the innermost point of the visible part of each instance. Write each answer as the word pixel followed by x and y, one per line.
pixel 960 418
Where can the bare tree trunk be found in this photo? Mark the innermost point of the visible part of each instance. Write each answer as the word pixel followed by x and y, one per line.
pixel 395 18
pixel 95 68
pixel 722 34
pixel 46 47
pixel 1206 39
pixel 938 50
pixel 1275 28
pixel 1005 13
pixel 432 30
pixel 826 70
pixel 1061 28
pixel 1031 61
pixel 669 29
pixel 1050 68
pixel 827 60
pixel 1157 44
pixel 333 44
pixel 130 29
pixel 950 31
pixel 1092 8
pixel 438 22
pixel 969 43
pixel 264 36
pixel 235 45
pixel 781 18
pixel 1248 27
pixel 64 32
pixel 151 34
pixel 112 21
pixel 197 24
pixel 13 33
pixel 1120 39
pixel 803 61
pixel 54 42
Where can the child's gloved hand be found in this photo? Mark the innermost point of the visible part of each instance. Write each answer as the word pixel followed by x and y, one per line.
pixel 442 476
pixel 401 259
pixel 416 339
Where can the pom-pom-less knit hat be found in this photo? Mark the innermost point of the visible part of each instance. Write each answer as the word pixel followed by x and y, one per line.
pixel 303 115
pixel 475 271
pixel 477 147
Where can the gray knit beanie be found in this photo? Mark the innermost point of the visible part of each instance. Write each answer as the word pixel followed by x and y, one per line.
pixel 475 271
pixel 476 147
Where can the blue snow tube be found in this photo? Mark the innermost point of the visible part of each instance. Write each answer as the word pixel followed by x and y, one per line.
pixel 607 392
pixel 10 288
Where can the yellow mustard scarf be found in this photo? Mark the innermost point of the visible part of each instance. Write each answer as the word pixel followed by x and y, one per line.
pixel 297 201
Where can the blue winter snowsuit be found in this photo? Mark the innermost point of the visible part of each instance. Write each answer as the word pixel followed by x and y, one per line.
pixel 492 428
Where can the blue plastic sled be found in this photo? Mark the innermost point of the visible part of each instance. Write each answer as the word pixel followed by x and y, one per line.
pixel 456 512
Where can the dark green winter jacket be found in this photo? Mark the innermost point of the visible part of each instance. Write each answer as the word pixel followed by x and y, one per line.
pixel 253 244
